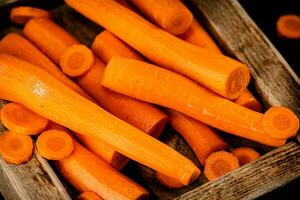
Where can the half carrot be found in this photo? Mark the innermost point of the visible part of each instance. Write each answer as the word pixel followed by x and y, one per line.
pixel 14 148
pixel 88 196
pixel 220 163
pixel 288 26
pixel 245 155
pixel 247 99
pixel 185 96
pixel 20 15
pixel 219 73
pixel 168 182
pixel 21 120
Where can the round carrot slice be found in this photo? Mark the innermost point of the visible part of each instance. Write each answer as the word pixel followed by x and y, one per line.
pixel 89 196
pixel 55 144
pixel 21 120
pixel 280 122
pixel 245 155
pixel 21 15
pixel 14 148
pixel 288 26
pixel 168 182
pixel 76 60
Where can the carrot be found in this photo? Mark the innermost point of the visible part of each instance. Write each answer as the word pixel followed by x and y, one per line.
pixel 170 15
pixel 21 120
pixel 54 144
pixel 14 148
pixel 19 47
pixel 86 172
pixel 219 163
pixel 168 182
pixel 125 3
pixel 141 80
pixel 88 196
pixel 288 26
pixel 106 45
pixel 280 122
pixel 76 60
pixel 219 73
pixel 52 125
pixel 47 96
pixel 245 155
pixel 247 99
pixel 141 115
pixel 20 15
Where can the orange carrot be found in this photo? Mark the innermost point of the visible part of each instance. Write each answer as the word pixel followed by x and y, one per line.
pixel 106 45
pixel 54 144
pixel 170 15
pixel 125 3
pixel 220 163
pixel 52 125
pixel 280 122
pixel 89 196
pixel 141 80
pixel 19 47
pixel 44 94
pixel 76 60
pixel 288 26
pixel 21 120
pixel 219 73
pixel 86 172
pixel 14 148
pixel 245 155
pixel 168 182
pixel 247 99
pixel 20 15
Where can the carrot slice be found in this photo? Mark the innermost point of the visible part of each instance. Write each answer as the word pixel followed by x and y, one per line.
pixel 168 182
pixel 219 163
pixel 280 122
pixel 76 60
pixel 21 15
pixel 21 120
pixel 245 155
pixel 247 99
pixel 288 26
pixel 14 148
pixel 89 196
pixel 54 144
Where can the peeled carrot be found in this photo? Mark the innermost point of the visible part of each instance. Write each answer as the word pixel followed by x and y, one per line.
pixel 76 60
pixel 220 163
pixel 20 15
pixel 141 80
pixel 245 155
pixel 219 73
pixel 288 26
pixel 125 3
pixel 54 144
pixel 247 99
pixel 14 148
pixel 168 182
pixel 89 196
pixel 42 93
pixel 21 120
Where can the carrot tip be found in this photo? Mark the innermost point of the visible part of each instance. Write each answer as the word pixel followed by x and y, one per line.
pixel 237 82
pixel 168 182
pixel 21 15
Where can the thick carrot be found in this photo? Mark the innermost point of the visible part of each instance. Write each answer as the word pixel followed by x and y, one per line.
pixel 247 99
pixel 141 80
pixel 245 155
pixel 76 60
pixel 219 163
pixel 18 46
pixel 88 196
pixel 288 26
pixel 168 182
pixel 21 120
pixel 14 148
pixel 86 172
pixel 217 72
pixel 42 93
pixel 21 15
pixel 54 144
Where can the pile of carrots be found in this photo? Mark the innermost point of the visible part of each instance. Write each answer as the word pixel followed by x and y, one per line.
pixel 90 110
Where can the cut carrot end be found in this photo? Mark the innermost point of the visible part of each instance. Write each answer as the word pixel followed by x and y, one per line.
pixel 237 82
pixel 89 196
pixel 21 120
pixel 288 26
pixel 245 155
pixel 14 148
pixel 280 122
pixel 55 144
pixel 156 130
pixel 76 60
pixel 119 161
pixel 21 15
pixel 219 163
pixel 168 182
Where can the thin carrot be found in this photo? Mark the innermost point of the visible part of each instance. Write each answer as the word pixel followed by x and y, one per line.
pixel 219 73
pixel 86 172
pixel 76 60
pixel 219 163
pixel 21 120
pixel 247 99
pixel 288 26
pixel 20 15
pixel 89 196
pixel 141 80
pixel 245 155
pixel 14 148
pixel 168 182
pixel 280 122
pixel 44 94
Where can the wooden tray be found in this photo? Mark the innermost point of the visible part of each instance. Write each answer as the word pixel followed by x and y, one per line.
pixel 274 83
